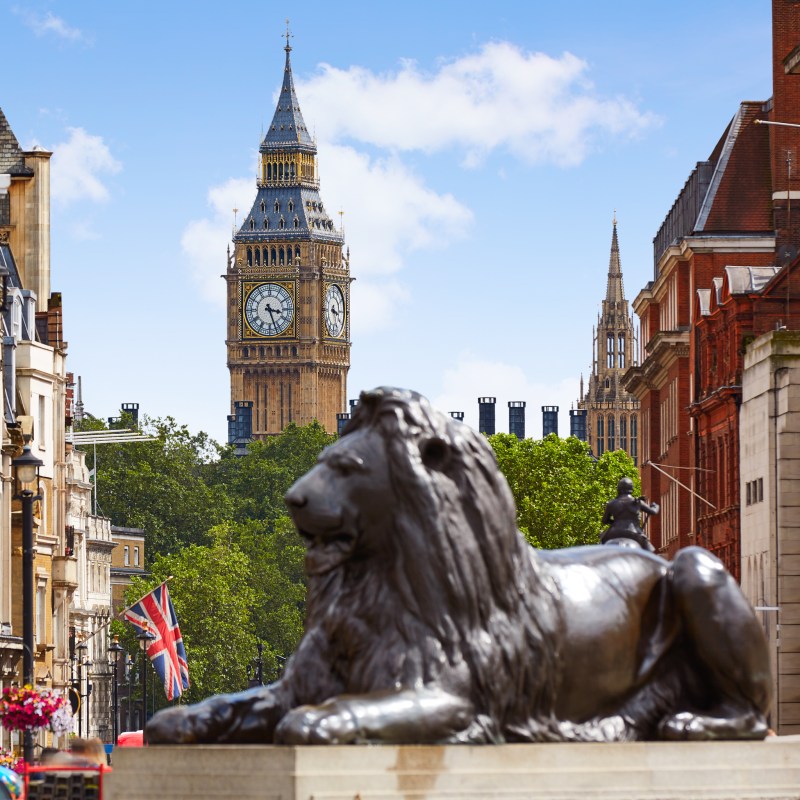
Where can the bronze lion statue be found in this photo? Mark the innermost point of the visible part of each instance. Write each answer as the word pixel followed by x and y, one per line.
pixel 430 619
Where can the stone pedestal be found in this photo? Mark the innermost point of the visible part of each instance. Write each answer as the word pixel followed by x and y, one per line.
pixel 767 770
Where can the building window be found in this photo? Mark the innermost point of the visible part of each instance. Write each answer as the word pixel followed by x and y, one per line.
pixel 258 256
pixel 601 436
pixel 263 206
pixel 610 351
pixel 41 613
pixel 623 434
pixel 252 224
pixel 297 255
pixel 634 440
pixel 281 256
pixel 135 556
pixel 249 256
pixel 127 552
pixel 621 351
pixel 612 445
pixel 272 257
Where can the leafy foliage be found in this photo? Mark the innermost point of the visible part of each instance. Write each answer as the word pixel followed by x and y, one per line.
pixel 560 490
pixel 161 486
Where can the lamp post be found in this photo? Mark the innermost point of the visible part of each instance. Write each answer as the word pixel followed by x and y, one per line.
pixel 26 470
pixel 256 669
pixel 145 637
pixel 115 648
pixel 130 672
pixel 81 648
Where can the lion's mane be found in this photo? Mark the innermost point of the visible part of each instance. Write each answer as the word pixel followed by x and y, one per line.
pixel 461 582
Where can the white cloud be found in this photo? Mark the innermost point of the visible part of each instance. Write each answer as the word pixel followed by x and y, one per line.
pixel 204 240
pixel 48 23
pixel 388 210
pixel 79 166
pixel 473 377
pixel 376 304
pixel 536 106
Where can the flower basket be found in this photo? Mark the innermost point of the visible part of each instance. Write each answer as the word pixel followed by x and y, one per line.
pixel 22 708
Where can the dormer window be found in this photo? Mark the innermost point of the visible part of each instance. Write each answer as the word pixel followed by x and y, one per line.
pixel 263 206
pixel 291 205
pixel 282 223
pixel 277 206
pixel 266 223
pixel 252 224
pixel 296 222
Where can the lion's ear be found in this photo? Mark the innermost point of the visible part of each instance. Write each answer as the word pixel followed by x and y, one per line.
pixel 435 453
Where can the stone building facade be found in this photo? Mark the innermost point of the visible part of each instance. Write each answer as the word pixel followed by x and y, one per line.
pixel 612 414
pixel 33 392
pixel 288 289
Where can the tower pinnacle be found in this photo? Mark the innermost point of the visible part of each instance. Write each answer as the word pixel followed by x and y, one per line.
pixel 615 291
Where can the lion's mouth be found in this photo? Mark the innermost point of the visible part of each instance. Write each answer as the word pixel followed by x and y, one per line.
pixel 327 550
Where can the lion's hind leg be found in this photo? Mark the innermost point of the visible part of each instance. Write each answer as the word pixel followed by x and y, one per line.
pixel 728 686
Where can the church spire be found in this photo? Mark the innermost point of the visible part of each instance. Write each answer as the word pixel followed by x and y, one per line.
pixel 615 291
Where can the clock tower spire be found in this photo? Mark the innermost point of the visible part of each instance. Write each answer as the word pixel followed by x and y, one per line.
pixel 288 287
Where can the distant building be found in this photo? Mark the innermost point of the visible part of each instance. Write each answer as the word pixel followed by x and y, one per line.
pixel 288 288
pixel 486 415
pixel 516 418
pixel 611 419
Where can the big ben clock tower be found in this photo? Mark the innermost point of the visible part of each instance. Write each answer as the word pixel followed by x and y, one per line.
pixel 288 288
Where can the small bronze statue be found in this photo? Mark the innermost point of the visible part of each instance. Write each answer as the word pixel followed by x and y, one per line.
pixel 431 620
pixel 622 515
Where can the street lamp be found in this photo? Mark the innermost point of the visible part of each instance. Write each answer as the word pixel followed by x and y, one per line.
pixel 115 648
pixel 256 669
pixel 81 648
pixel 26 470
pixel 145 637
pixel 130 674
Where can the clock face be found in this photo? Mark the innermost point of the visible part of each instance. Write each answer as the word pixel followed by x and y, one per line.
pixel 334 310
pixel 269 309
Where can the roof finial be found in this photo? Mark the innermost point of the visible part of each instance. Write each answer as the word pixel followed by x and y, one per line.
pixel 288 36
pixel 615 217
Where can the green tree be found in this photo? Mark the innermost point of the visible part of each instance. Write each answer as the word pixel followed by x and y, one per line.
pixel 162 486
pixel 257 481
pixel 560 490
pixel 213 600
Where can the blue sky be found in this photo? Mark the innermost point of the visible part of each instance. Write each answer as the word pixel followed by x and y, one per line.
pixel 478 153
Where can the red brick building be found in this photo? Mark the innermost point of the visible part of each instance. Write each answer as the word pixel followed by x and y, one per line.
pixel 714 288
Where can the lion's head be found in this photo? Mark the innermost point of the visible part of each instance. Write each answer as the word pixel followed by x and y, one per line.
pixel 413 499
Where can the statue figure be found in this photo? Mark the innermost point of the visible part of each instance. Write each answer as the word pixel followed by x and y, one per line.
pixel 622 515
pixel 431 620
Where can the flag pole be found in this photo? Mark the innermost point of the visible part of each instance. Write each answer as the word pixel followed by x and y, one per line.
pixel 119 614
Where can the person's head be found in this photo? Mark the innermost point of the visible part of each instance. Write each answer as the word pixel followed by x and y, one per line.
pixel 625 486
pixel 90 750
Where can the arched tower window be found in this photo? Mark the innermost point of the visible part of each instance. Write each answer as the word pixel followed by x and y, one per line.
pixel 249 256
pixel 623 433
pixel 610 351
pixel 269 172
pixel 292 170
pixel 634 440
pixel 601 435
pixel 277 206
pixel 296 222
pixel 291 205
pixel 272 257
pixel 252 224
pixel 263 206
pixel 280 171
pixel 297 254
pixel 282 223
pixel 621 351
pixel 258 256
pixel 281 256
pixel 611 434
pixel 266 223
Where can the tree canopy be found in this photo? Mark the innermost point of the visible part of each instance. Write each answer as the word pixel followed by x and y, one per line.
pixel 559 488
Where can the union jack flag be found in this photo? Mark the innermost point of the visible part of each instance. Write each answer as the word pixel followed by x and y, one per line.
pixel 155 613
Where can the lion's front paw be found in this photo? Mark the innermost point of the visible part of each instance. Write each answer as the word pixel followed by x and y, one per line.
pixel 315 725
pixel 172 726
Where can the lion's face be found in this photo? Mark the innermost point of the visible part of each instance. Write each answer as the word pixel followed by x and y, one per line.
pixel 345 496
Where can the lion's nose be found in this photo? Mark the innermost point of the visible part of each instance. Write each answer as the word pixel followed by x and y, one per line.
pixel 295 498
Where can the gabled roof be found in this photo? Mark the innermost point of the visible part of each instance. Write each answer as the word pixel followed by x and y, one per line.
pixel 287 126
pixel 12 161
pixel 739 198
